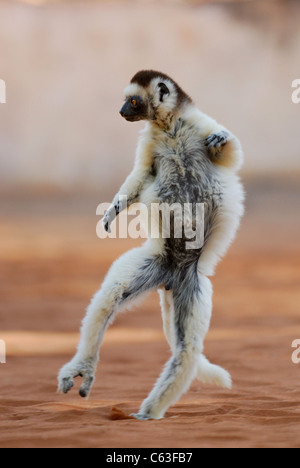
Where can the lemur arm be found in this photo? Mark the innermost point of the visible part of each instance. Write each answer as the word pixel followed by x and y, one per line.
pixel 224 148
pixel 130 191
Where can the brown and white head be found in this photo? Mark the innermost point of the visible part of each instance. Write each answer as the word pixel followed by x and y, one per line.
pixel 155 97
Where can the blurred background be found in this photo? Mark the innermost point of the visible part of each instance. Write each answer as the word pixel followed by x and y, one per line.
pixel 66 64
pixel 64 149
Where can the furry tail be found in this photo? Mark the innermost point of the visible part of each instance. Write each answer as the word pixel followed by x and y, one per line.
pixel 213 375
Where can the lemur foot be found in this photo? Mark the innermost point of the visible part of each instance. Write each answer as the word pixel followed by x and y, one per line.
pixel 77 368
pixel 140 416
pixel 217 140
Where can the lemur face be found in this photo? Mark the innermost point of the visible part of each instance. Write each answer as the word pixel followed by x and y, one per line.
pixel 135 108
pixel 152 96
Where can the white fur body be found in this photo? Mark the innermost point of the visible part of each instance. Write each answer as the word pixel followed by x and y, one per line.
pixel 118 290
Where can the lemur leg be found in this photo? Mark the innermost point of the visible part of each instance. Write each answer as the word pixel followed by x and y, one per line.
pixel 167 309
pixel 191 324
pixel 207 373
pixel 135 273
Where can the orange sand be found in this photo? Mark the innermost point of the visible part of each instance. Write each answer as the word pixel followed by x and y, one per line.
pixel 52 263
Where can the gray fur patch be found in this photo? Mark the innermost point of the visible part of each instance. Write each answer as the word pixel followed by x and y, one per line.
pixel 183 174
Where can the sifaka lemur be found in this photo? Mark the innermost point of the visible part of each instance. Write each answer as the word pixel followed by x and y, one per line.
pixel 183 156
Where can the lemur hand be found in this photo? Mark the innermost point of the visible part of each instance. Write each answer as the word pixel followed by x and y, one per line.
pixel 217 140
pixel 110 216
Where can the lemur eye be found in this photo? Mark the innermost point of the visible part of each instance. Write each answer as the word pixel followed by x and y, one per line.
pixel 134 102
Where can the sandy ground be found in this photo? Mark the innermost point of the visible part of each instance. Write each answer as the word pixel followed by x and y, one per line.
pixel 52 262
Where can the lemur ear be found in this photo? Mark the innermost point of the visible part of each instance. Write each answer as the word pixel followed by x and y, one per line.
pixel 163 90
